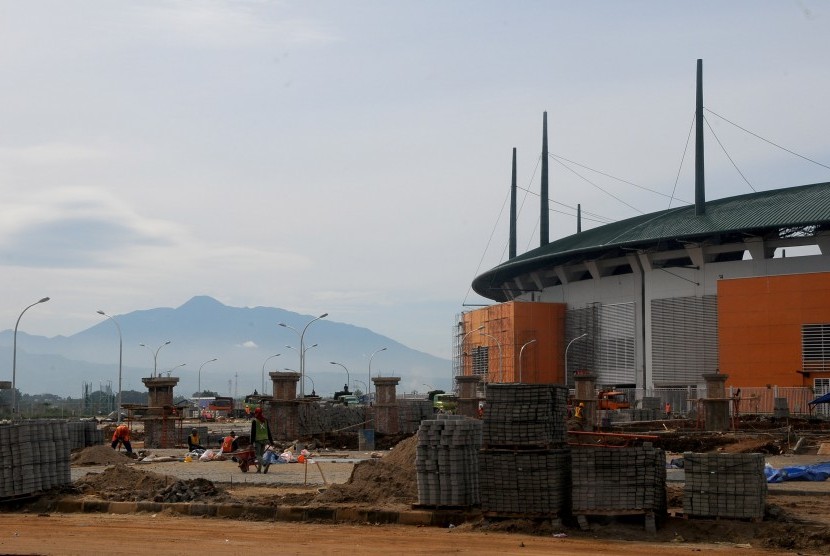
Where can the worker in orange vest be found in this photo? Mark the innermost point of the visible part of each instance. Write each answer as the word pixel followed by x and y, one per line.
pixel 122 435
pixel 230 443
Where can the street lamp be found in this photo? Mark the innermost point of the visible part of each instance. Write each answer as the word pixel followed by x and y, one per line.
pixel 263 370
pixel 155 355
pixel 14 355
pixel 199 387
pixel 302 346
pixel 174 368
pixel 120 357
pixel 313 388
pixel 365 388
pixel 347 372
pixel 566 354
pixel 461 344
pixel 501 360
pixel 520 356
pixel 370 364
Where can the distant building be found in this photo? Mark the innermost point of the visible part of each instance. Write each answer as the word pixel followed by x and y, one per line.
pixel 659 299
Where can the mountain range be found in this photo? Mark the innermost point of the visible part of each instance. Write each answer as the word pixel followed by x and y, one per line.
pixel 243 341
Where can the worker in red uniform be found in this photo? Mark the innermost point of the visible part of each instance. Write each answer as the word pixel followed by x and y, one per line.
pixel 122 435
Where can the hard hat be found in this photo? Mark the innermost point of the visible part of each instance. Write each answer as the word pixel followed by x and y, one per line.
pixel 581 404
pixel 194 431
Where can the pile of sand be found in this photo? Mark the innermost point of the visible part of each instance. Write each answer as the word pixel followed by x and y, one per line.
pixel 99 455
pixel 391 479
pixel 128 484
pixel 123 483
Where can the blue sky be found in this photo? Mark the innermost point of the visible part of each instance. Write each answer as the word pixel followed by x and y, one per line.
pixel 353 157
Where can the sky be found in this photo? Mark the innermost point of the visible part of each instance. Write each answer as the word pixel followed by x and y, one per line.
pixel 354 157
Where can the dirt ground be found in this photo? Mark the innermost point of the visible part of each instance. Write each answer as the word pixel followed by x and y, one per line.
pixel 794 524
pixel 84 534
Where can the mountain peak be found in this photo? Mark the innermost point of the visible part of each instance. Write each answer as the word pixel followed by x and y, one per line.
pixel 201 302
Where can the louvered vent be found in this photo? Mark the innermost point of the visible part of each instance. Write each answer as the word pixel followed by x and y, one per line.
pixel 684 339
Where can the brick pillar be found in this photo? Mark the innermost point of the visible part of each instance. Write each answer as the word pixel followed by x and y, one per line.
pixel 716 404
pixel 160 421
pixel 284 413
pixel 586 393
pixel 386 404
pixel 468 398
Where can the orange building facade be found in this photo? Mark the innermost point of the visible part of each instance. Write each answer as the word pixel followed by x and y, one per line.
pixel 514 342
pixel 773 330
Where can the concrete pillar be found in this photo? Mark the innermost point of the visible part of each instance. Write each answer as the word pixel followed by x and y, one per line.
pixel 386 404
pixel 716 404
pixel 160 419
pixel 586 393
pixel 283 411
pixel 468 398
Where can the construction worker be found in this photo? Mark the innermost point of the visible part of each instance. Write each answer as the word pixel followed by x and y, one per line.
pixel 193 440
pixel 578 411
pixel 230 443
pixel 122 436
pixel 260 437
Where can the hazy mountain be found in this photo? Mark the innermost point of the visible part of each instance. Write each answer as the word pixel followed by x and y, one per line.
pixel 242 339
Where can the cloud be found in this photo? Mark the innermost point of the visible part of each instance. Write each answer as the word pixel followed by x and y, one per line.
pixel 225 24
pixel 249 344
pixel 74 228
pixel 51 153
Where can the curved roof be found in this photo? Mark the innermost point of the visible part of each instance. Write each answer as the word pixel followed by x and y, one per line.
pixel 755 214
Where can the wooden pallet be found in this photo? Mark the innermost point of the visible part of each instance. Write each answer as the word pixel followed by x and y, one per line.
pixel 649 515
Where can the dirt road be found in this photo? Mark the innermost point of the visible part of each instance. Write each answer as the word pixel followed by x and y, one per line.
pixel 83 534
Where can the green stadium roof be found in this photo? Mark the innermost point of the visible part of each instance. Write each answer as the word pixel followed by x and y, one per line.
pixel 755 214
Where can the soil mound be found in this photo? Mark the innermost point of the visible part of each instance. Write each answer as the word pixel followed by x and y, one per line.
pixel 127 484
pixel 122 483
pixel 99 455
pixel 391 479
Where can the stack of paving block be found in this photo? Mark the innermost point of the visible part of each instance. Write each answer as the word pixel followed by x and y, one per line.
pixel 724 485
pixel 34 456
pixel 83 434
pixel 525 415
pixel 446 461
pixel 412 412
pixel 611 480
pixel 524 463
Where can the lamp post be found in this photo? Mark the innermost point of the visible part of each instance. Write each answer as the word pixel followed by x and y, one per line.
pixel 302 366
pixel 520 356
pixel 155 355
pixel 347 371
pixel 199 387
pixel 174 368
pixel 501 359
pixel 566 353
pixel 365 388
pixel 461 344
pixel 120 358
pixel 14 356
pixel 370 366
pixel 302 346
pixel 263 370
pixel 313 388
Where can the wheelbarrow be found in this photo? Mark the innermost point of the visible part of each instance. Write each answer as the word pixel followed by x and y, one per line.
pixel 245 458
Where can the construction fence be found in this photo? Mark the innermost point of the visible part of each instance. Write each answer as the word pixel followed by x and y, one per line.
pixel 755 400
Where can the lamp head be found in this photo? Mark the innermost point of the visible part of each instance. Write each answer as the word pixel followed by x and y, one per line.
pixel 44 300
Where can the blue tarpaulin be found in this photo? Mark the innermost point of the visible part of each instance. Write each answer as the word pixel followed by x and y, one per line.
pixel 814 472
pixel 821 399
